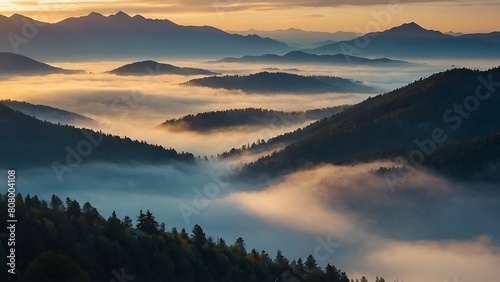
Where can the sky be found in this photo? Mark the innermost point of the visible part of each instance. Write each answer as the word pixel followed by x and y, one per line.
pixel 316 15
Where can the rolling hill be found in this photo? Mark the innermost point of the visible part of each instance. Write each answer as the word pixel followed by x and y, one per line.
pixel 47 113
pixel 13 64
pixel 32 143
pixel 155 68
pixel 433 115
pixel 267 82
pixel 220 120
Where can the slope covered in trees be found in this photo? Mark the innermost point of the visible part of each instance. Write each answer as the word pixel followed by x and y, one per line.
pixel 208 121
pixel 268 82
pixel 66 241
pixel 14 64
pixel 47 113
pixel 456 105
pixel 27 141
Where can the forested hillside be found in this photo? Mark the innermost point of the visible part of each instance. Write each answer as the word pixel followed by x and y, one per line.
pixel 66 241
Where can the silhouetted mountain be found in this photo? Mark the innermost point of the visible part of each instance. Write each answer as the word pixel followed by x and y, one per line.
pixel 122 36
pixel 454 33
pixel 155 68
pixel 298 38
pixel 13 64
pixel 493 36
pixel 266 82
pixel 47 113
pixel 299 57
pixel 217 120
pixel 453 106
pixel 412 41
pixel 32 142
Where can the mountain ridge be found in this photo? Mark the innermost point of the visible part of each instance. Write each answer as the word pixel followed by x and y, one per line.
pixel 14 64
pixel 410 40
pixel 301 57
pixel 279 82
pixel 99 37
pixel 393 123
pixel 42 143
pixel 216 120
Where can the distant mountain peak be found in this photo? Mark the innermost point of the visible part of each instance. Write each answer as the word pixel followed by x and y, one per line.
pixel 412 25
pixel 139 17
pixel 95 15
pixel 412 29
pixel 17 16
pixel 121 14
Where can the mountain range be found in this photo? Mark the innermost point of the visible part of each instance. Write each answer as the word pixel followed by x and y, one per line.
pixel 279 82
pixel 298 38
pixel 96 36
pixel 413 41
pixel 13 64
pixel 155 68
pixel 299 57
pixel 122 36
pixel 434 122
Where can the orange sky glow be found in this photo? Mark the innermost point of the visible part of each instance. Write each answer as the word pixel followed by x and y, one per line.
pixel 320 15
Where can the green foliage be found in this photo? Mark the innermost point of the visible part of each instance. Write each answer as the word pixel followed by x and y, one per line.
pixel 57 243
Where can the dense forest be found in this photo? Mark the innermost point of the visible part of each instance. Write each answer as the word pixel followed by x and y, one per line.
pixel 27 141
pixel 275 82
pixel 421 122
pixel 208 121
pixel 60 240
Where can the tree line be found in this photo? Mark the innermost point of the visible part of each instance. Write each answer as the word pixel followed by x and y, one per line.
pixel 60 240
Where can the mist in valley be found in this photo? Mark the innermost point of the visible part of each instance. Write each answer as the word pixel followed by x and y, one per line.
pixel 346 215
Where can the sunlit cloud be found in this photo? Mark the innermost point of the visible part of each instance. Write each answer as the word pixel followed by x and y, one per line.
pixel 449 260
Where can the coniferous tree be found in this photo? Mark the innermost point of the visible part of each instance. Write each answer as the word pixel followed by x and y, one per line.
pixel 199 236
pixel 127 222
pixel 56 203
pixel 240 245
pixel 311 264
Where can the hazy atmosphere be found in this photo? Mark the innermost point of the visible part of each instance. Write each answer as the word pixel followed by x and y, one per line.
pixel 358 135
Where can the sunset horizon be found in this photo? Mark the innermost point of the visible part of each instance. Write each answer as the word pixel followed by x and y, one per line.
pixel 239 15
pixel 250 141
